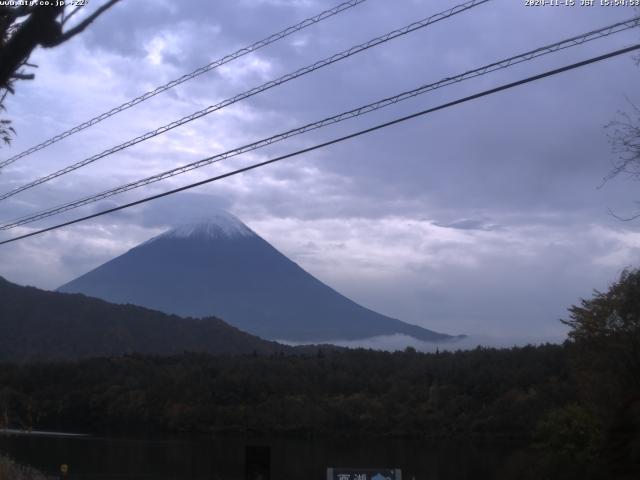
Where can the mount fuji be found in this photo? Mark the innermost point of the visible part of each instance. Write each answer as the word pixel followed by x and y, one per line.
pixel 221 267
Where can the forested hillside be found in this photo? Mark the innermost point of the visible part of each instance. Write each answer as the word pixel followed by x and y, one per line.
pixel 576 405
pixel 481 392
pixel 36 324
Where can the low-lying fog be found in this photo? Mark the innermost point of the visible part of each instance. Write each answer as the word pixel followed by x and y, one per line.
pixel 400 342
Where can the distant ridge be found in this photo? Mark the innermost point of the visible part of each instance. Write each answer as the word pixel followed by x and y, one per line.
pixel 40 325
pixel 221 267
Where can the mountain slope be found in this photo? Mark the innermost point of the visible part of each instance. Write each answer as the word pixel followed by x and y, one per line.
pixel 221 267
pixel 37 324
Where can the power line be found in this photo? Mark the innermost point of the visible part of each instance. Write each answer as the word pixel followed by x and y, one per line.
pixel 199 71
pixel 254 91
pixel 502 64
pixel 336 140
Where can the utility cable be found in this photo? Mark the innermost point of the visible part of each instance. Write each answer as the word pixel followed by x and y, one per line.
pixel 371 107
pixel 254 91
pixel 336 140
pixel 197 72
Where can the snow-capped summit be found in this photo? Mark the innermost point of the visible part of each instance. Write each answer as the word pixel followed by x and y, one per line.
pixel 220 267
pixel 217 225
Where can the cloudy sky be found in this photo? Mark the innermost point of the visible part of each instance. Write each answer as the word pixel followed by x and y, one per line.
pixel 484 219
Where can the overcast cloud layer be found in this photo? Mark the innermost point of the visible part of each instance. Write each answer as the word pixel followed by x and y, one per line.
pixel 484 219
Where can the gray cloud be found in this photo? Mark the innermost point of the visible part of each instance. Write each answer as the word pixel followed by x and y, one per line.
pixel 470 224
pixel 483 218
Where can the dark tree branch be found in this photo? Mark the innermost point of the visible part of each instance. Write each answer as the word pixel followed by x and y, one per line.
pixel 23 76
pixel 623 219
pixel 624 138
pixel 16 12
pixel 40 28
pixel 71 14
pixel 82 25
pixel 42 25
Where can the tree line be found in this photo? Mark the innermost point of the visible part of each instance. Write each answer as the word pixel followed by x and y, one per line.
pixel 575 406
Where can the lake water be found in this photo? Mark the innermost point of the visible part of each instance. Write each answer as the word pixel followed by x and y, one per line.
pixel 103 458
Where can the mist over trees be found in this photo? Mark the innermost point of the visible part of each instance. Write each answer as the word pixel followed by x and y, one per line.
pixel 575 407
